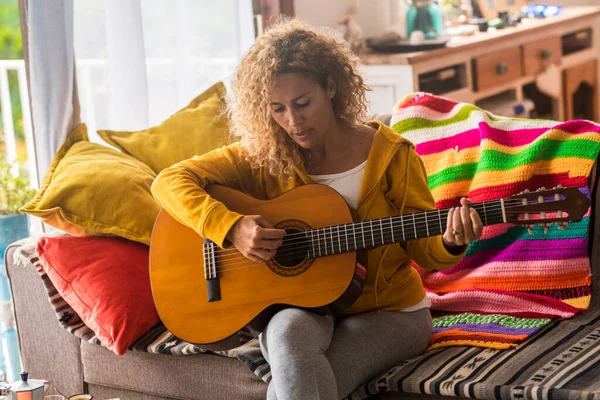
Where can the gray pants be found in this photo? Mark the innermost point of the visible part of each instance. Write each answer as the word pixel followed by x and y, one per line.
pixel 311 357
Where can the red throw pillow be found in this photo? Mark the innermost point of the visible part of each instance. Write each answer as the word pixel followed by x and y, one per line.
pixel 106 281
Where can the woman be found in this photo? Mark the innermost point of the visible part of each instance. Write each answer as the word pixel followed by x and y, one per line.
pixel 297 106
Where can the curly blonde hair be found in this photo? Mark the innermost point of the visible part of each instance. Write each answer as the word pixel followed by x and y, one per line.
pixel 290 46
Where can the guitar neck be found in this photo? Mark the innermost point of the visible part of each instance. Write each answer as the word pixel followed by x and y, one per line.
pixel 338 239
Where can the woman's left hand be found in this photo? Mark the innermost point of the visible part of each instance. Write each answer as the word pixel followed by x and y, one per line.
pixel 464 225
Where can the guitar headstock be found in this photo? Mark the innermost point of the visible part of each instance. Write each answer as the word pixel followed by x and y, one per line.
pixel 531 208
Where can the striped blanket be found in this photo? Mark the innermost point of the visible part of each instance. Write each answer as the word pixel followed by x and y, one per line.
pixel 510 283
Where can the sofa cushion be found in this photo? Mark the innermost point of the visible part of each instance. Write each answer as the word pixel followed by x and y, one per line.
pixel 204 376
pixel 194 130
pixel 91 189
pixel 106 281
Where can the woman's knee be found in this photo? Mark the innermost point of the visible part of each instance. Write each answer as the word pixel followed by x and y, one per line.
pixel 299 329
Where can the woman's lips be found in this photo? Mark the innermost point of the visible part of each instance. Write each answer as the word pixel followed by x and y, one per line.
pixel 303 134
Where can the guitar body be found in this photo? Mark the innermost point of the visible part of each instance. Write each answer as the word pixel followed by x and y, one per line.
pixel 248 293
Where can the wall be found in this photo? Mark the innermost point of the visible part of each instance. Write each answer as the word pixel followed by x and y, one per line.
pixel 574 2
pixel 377 16
pixel 374 16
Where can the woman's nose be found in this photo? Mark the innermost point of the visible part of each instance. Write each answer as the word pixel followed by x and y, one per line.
pixel 294 118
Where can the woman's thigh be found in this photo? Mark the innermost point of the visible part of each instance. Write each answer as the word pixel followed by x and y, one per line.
pixel 366 345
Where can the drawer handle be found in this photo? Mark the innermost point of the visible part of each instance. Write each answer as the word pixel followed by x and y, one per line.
pixel 502 68
pixel 546 54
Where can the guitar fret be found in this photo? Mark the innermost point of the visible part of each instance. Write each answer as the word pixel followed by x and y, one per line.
pixel 339 238
pixel 415 226
pixel 372 234
pixel 362 230
pixel 392 229
pixel 402 224
pixel 484 213
pixel 354 236
pixel 381 229
pixel 331 235
pixel 440 218
pixel 319 241
pixel 426 223
pixel 346 234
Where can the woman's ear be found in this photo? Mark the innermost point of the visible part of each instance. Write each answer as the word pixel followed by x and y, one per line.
pixel 331 88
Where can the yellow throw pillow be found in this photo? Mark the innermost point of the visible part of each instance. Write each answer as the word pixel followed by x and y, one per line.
pixel 194 130
pixel 93 190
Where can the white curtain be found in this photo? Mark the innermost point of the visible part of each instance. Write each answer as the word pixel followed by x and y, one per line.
pixel 139 61
pixel 126 56
pixel 48 49
pixel 124 64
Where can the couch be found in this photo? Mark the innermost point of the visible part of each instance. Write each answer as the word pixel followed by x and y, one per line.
pixel 74 366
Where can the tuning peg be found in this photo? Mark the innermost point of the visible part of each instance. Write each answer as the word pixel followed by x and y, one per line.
pixel 525 191
pixel 559 186
pixel 561 227
pixel 530 231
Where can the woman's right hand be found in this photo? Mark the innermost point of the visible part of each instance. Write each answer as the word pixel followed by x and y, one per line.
pixel 256 238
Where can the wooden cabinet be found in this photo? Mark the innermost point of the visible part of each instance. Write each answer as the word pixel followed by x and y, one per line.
pixel 538 54
pixel 551 63
pixel 496 68
pixel 581 91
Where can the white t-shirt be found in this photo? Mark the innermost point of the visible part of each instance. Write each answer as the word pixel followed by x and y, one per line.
pixel 348 184
pixel 345 183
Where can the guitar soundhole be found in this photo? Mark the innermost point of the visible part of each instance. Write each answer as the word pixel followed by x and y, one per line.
pixel 294 249
pixel 291 258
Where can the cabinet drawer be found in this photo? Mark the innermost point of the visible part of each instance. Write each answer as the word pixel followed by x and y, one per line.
pixel 498 68
pixel 537 55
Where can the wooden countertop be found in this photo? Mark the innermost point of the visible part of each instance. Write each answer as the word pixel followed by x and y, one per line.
pixel 369 57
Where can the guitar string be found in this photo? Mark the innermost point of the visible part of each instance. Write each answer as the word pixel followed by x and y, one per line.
pixel 366 226
pixel 328 235
pixel 245 261
pixel 422 217
pixel 329 238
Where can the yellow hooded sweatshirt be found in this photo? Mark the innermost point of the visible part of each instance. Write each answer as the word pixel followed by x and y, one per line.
pixel 394 182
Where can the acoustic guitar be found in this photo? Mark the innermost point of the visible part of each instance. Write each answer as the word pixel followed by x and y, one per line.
pixel 206 295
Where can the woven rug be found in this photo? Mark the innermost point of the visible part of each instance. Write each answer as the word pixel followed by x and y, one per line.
pixel 512 282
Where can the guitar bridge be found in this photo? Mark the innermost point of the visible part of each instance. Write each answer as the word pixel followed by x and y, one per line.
pixel 213 286
pixel 213 289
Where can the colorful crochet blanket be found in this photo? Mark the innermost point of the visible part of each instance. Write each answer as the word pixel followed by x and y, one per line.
pixel 510 283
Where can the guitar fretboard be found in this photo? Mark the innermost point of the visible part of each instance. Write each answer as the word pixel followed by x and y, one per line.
pixel 338 239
